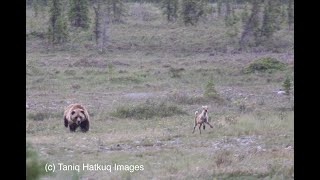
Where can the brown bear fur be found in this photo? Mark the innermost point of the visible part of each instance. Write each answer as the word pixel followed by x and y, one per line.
pixel 76 115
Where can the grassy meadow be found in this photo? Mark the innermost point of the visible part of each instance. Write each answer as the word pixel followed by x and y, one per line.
pixel 142 93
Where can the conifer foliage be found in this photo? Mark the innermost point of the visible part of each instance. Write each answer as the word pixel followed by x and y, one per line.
pixel 57 31
pixel 78 13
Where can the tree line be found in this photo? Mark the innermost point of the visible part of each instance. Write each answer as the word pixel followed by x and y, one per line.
pixel 260 19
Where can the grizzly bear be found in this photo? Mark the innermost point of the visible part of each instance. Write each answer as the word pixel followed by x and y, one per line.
pixel 76 115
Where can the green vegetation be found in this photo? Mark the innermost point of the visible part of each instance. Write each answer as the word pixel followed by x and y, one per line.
pixel 170 9
pixel 148 110
pixel 40 116
pixel 58 29
pixel 211 93
pixel 176 72
pixel 192 11
pixel 34 167
pixel 78 13
pixel 265 64
pixel 287 85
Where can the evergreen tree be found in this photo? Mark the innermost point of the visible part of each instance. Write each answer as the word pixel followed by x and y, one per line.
pixel 170 9
pixel 245 13
pixel 230 19
pixel 192 10
pixel 287 85
pixel 102 14
pixel 250 32
pixel 290 14
pixel 228 7
pixel 209 89
pixel 78 13
pixel 97 28
pixel 271 19
pixel 57 30
pixel 219 5
pixel 117 10
pixel 35 6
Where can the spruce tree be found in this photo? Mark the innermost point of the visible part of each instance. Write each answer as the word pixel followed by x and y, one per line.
pixel 57 31
pixel 290 14
pixel 78 13
pixel 245 13
pixel 250 32
pixel 117 9
pixel 192 10
pixel 97 24
pixel 35 6
pixel 271 19
pixel 219 5
pixel 102 16
pixel 209 89
pixel 170 9
pixel 230 19
pixel 287 85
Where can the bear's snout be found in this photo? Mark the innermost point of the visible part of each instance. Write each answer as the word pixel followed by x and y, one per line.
pixel 78 120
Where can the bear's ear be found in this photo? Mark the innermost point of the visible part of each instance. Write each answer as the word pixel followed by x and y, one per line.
pixel 85 115
pixel 72 113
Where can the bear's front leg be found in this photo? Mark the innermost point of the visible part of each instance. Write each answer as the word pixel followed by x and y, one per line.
pixel 84 126
pixel 73 127
pixel 66 122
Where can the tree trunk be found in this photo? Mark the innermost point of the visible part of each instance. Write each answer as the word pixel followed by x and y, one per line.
pixel 97 32
pixel 101 26
pixel 251 25
pixel 105 31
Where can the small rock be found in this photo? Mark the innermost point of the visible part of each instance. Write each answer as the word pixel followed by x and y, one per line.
pixel 259 148
pixel 281 92
pixel 288 147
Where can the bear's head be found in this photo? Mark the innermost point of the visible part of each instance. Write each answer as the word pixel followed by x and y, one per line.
pixel 77 116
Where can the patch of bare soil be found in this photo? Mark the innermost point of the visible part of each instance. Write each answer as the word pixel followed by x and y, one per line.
pixel 138 146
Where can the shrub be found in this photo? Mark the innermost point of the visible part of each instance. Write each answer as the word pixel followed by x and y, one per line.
pixel 287 85
pixel 70 72
pixel 34 167
pixel 264 64
pixel 110 71
pixel 223 158
pixel 125 79
pixel 181 98
pixel 209 89
pixel 210 92
pixel 40 116
pixel 147 110
pixel 176 72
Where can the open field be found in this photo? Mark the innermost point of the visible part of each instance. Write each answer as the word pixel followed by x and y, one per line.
pixel 153 64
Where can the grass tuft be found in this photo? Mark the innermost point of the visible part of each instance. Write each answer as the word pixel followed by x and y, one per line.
pixel 263 65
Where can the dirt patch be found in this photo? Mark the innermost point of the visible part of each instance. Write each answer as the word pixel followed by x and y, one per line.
pixel 120 63
pixel 138 146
